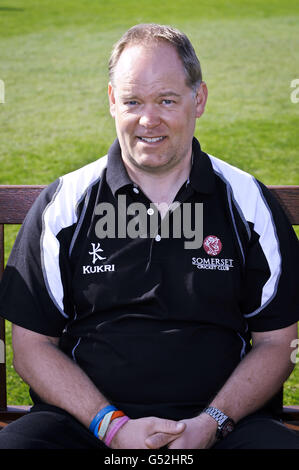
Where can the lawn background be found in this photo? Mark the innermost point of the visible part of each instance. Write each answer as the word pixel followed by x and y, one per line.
pixel 53 61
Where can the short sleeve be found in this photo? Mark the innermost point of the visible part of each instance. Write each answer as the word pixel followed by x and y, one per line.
pixel 270 289
pixel 26 296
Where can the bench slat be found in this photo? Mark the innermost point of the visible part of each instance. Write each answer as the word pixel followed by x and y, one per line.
pixel 289 199
pixel 15 201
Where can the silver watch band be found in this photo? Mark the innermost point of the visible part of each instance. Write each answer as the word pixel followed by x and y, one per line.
pixel 216 414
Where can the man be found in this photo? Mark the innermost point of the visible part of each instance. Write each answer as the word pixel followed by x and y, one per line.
pixel 123 312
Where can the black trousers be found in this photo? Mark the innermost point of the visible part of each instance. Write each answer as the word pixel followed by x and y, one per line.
pixel 48 427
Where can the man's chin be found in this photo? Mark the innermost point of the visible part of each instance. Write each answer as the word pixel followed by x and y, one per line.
pixel 149 163
pixel 152 166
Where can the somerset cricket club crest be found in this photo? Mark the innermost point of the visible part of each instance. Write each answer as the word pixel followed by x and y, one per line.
pixel 212 245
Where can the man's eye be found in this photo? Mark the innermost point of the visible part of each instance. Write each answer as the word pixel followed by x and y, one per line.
pixel 167 101
pixel 131 103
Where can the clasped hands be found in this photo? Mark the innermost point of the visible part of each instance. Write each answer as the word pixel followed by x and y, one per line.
pixel 154 433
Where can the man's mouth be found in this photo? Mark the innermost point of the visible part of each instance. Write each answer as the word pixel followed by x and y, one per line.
pixel 151 140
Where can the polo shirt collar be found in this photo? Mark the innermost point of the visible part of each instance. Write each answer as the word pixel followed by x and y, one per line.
pixel 201 178
pixel 117 176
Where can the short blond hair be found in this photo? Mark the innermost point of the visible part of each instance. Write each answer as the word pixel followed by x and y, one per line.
pixel 146 33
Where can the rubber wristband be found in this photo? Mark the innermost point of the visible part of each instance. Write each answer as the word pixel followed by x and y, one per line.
pixel 104 425
pixel 115 429
pixel 100 415
pixel 116 414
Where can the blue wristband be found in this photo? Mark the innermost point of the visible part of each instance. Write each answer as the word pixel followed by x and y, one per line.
pixel 100 415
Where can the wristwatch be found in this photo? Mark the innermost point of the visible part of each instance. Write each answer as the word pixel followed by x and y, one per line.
pixel 225 424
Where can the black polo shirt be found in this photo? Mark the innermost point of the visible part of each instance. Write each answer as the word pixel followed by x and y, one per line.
pixel 158 324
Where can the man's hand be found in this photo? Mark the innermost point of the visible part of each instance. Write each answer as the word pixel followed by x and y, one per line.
pixel 199 433
pixel 144 433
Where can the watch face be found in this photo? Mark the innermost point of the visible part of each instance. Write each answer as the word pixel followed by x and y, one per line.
pixel 227 427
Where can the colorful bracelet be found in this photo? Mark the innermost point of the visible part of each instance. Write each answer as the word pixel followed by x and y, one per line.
pixel 115 429
pixel 117 414
pixel 99 416
pixel 103 426
pixel 101 429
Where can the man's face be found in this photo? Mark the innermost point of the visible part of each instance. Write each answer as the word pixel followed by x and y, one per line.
pixel 154 110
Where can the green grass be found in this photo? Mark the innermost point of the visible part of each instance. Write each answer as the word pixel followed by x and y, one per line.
pixel 53 60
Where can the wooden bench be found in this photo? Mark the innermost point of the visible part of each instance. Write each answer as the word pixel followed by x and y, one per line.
pixel 15 201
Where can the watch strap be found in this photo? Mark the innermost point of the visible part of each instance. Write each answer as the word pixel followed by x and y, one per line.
pixel 222 420
pixel 218 415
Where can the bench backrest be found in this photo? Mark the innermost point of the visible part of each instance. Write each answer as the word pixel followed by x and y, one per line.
pixel 15 201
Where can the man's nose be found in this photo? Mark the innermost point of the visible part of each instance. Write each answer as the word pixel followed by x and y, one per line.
pixel 149 118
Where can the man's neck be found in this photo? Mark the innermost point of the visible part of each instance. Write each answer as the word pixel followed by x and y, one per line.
pixel 160 187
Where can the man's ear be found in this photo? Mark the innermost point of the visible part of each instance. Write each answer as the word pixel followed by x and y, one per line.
pixel 111 99
pixel 201 99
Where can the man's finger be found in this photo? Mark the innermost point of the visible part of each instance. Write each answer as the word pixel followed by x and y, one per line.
pixel 166 426
pixel 158 440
